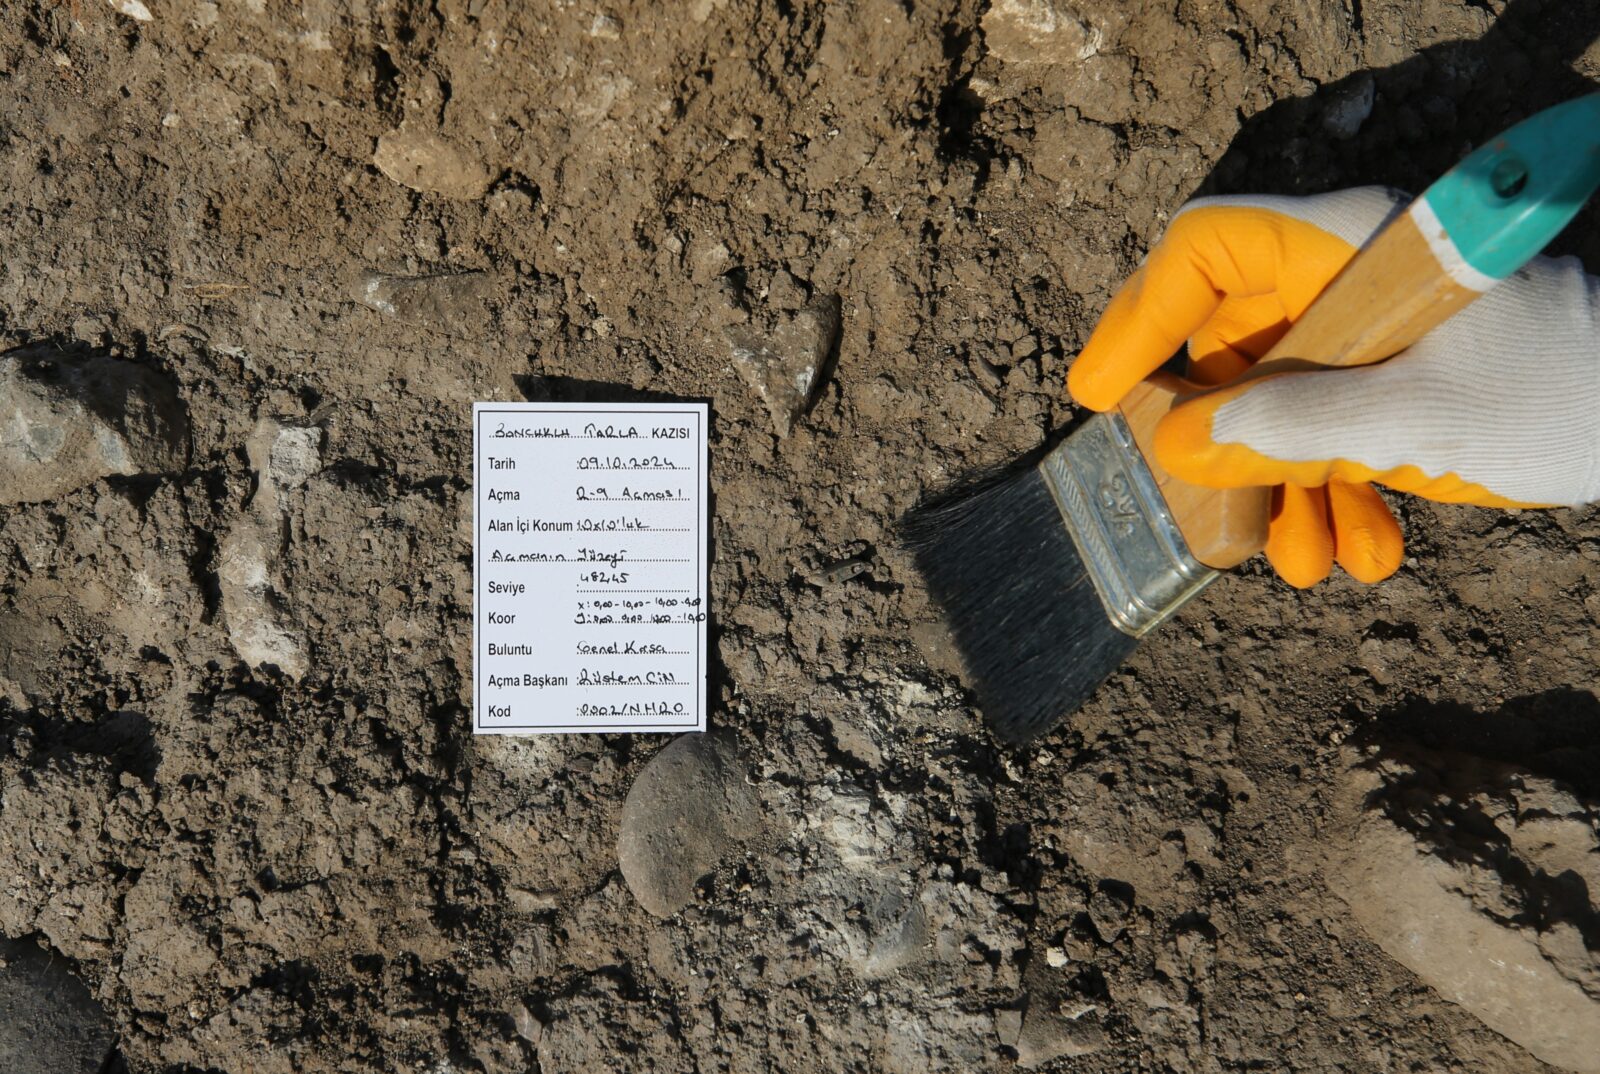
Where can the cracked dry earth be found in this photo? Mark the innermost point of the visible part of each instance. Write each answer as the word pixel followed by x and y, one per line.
pixel 259 259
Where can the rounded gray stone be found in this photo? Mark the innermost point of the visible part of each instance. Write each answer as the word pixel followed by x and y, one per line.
pixel 687 807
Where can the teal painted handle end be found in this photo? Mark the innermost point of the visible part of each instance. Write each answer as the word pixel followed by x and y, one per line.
pixel 1507 200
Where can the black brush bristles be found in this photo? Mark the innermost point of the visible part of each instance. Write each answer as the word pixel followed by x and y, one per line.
pixel 1032 632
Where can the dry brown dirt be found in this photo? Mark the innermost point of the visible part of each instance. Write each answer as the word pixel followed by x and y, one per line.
pixel 357 218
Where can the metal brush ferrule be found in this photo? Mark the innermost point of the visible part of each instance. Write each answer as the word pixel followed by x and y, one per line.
pixel 1131 547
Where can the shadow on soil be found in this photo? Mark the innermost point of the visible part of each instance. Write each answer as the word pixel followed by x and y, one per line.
pixel 1426 113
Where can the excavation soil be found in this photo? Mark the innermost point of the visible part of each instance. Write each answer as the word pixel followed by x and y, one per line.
pixel 358 219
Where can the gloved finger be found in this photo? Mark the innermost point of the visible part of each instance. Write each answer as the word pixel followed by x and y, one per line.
pixel 1367 541
pixel 1245 327
pixel 1242 330
pixel 1208 254
pixel 1299 542
pixel 1217 364
pixel 1194 446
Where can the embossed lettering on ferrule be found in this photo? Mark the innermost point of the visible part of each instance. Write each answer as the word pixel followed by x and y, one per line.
pixel 1116 498
pixel 1131 547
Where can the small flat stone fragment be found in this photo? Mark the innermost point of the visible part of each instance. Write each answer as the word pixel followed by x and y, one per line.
pixel 1038 32
pixel 133 9
pixel 784 364
pixel 430 163
pixel 68 420
pixel 447 302
pixel 682 814
pixel 258 625
pixel 605 26
pixel 284 457
pixel 523 1022
pixel 49 1023
pixel 1048 1035
pixel 1008 1027
pixel 1350 108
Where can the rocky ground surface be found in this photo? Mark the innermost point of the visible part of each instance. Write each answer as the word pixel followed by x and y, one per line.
pixel 261 257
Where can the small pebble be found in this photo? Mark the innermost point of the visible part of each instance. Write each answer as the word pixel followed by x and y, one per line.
pixel 1350 107
pixel 606 27
pixel 783 365
pixel 1109 913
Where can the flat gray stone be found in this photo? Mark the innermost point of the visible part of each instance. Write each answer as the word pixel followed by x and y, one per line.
pixel 683 812
pixel 783 363
pixel 49 1023
pixel 1489 915
pixel 67 420
pixel 1046 1035
pixel 444 302
pixel 1350 109
pixel 1032 32
pixel 428 162
pixel 284 458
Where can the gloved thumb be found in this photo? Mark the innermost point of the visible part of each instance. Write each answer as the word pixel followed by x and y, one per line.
pixel 1297 431
pixel 1495 407
pixel 1289 428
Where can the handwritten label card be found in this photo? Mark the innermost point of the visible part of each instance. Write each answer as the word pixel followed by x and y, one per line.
pixel 589 568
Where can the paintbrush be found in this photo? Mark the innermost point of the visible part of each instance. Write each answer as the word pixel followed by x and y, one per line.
pixel 1049 578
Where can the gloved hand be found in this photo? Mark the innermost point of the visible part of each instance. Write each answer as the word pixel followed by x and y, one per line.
pixel 1499 406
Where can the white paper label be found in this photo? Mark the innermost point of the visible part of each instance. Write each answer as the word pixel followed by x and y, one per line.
pixel 589 567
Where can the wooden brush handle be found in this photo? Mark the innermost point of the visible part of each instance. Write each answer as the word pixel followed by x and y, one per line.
pixel 1389 296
